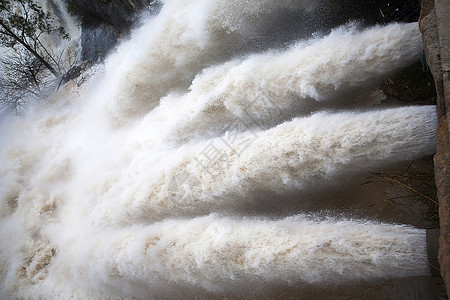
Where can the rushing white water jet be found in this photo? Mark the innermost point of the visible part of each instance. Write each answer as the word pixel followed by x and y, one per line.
pixel 275 86
pixel 98 203
pixel 292 156
pixel 187 36
pixel 220 254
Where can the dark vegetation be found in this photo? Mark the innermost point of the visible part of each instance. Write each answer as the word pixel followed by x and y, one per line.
pixel 30 69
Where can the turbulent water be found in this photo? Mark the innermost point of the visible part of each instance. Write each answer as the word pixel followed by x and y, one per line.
pixel 130 184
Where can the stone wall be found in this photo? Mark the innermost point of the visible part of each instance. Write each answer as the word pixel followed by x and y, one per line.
pixel 434 24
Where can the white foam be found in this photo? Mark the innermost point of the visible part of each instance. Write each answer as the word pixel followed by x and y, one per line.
pixel 99 186
pixel 223 254
pixel 293 156
pixel 277 85
pixel 168 51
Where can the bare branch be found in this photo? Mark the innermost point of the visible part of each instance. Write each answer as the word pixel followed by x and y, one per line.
pixel 32 70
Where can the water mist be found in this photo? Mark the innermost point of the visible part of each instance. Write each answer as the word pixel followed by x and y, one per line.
pixel 128 185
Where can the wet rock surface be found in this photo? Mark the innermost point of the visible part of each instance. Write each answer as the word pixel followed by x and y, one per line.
pixel 103 23
pixel 435 27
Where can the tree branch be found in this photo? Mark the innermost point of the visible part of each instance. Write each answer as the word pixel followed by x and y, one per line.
pixel 30 49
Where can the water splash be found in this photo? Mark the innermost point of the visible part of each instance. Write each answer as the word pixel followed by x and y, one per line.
pixel 293 156
pixel 186 37
pixel 218 253
pixel 110 189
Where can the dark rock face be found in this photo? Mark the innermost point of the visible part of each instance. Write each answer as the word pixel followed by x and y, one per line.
pixel 371 12
pixel 434 24
pixel 96 41
pixel 113 12
pixel 103 22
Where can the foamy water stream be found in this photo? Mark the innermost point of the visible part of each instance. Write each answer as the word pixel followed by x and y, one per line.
pixel 128 186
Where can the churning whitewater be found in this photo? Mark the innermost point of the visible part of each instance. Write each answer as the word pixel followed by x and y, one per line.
pixel 129 185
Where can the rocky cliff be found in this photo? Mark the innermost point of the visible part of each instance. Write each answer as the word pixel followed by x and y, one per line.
pixel 434 24
pixel 104 22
